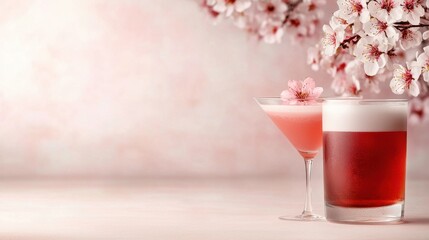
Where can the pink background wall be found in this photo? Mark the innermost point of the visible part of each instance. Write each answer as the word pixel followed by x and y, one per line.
pixel 143 88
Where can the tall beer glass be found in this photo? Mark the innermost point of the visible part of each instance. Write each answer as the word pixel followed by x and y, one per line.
pixel 364 148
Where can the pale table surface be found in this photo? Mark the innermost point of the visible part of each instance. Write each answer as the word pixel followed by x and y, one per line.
pixel 185 209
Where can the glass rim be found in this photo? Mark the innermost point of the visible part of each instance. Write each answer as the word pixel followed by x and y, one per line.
pixel 260 100
pixel 365 100
pixel 344 99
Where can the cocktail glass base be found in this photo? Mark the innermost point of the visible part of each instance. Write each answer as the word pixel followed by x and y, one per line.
pixel 304 217
pixel 391 214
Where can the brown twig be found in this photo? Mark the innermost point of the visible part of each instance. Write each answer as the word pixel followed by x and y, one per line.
pixel 410 26
pixel 352 39
pixel 290 9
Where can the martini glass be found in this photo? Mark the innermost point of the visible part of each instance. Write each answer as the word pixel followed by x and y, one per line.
pixel 302 125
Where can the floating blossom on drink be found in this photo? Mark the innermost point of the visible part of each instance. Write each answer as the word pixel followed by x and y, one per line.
pixel 270 20
pixel 301 92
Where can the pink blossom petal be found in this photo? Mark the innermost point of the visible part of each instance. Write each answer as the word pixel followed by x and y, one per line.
pixel 241 6
pixel 286 95
pixel 414 89
pixel 382 61
pixel 397 86
pixel 416 71
pixel 426 35
pixel 426 76
pixel 308 84
pixel 294 85
pixel 317 92
pixel 364 17
pixel 371 68
pixel 219 7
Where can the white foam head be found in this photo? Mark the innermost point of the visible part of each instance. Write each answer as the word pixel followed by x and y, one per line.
pixel 355 115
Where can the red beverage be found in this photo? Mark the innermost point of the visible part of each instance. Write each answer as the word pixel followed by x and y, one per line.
pixel 364 169
pixel 365 144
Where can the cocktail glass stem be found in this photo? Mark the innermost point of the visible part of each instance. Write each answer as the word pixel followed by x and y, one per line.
pixel 307 214
pixel 308 210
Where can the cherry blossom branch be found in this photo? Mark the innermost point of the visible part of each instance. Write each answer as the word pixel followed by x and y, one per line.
pixel 352 39
pixel 270 20
pixel 291 7
pixel 400 27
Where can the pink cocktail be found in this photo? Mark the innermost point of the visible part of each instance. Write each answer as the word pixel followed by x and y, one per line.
pixel 302 124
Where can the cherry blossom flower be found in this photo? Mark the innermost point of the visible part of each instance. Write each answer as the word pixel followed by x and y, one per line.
pixel 405 79
pixel 207 5
pixel 299 19
pixel 351 10
pixel 355 69
pixel 229 6
pixel 295 23
pixel 373 82
pixel 423 62
pixel 412 11
pixel 301 91
pixel 386 10
pixel 353 89
pixel 340 80
pixel 311 15
pixel 381 30
pixel 271 32
pixel 410 38
pixel 337 21
pixel 339 83
pixel 332 39
pixel 312 5
pixel 372 53
pixel 272 9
